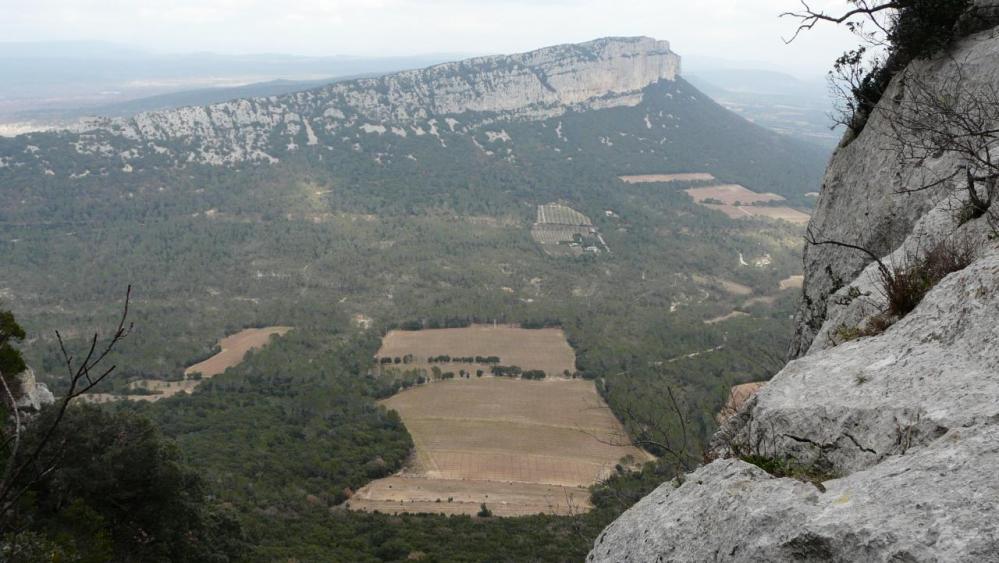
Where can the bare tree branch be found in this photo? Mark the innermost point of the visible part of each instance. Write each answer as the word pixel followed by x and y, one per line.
pixel 16 437
pixel 809 18
pixel 955 119
pixel 811 239
pixel 16 480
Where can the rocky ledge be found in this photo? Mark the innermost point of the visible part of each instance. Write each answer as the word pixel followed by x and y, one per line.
pixel 909 419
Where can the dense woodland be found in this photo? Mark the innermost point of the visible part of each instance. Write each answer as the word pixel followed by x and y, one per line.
pixel 280 441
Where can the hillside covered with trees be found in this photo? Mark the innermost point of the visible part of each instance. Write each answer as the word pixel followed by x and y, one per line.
pixel 414 230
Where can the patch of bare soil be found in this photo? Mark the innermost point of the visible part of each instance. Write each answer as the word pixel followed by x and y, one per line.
pixel 791 282
pixel 520 447
pixel 233 349
pixel 723 318
pixel 737 202
pixel 737 397
pixel 728 286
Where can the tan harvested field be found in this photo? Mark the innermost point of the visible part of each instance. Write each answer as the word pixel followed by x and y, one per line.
pixel 792 282
pixel 233 349
pixel 736 202
pixel 545 349
pixel 521 447
pixel 730 194
pixel 729 286
pixel 666 178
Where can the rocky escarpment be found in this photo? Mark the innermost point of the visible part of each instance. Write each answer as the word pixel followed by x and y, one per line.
pixel 539 84
pixel 864 198
pixel 895 436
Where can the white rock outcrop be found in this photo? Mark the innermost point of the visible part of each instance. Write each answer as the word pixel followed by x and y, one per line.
pixel 34 395
pixel 902 428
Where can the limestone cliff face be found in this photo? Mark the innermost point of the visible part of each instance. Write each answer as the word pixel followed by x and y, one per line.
pixel 904 426
pixel 863 199
pixel 539 84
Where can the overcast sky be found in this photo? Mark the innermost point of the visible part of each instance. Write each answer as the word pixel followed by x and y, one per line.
pixel 731 29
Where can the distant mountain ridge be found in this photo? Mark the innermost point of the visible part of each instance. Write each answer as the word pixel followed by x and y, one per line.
pixel 539 84
pixel 172 100
pixel 605 107
pixel 51 85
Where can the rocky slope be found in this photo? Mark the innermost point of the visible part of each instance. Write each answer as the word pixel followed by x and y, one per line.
pixel 608 72
pixel 898 432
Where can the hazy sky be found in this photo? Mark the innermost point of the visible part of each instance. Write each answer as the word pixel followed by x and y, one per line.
pixel 731 29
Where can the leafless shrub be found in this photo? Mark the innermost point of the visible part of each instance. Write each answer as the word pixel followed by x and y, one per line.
pixel 904 281
pixel 954 119
pixel 663 431
pixel 23 469
pixel 904 285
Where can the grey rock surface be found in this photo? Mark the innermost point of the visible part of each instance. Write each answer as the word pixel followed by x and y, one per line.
pixel 851 406
pixel 936 504
pixel 901 428
pixel 857 302
pixel 863 199
pixel 910 421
